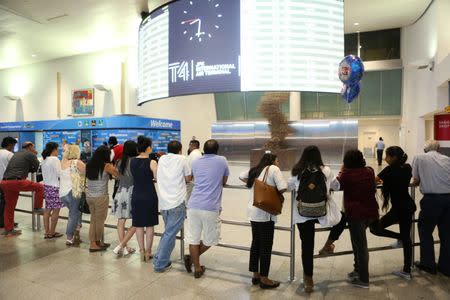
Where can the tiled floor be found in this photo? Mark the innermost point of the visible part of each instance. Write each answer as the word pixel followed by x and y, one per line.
pixel 34 268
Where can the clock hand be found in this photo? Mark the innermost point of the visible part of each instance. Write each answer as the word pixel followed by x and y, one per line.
pixel 190 22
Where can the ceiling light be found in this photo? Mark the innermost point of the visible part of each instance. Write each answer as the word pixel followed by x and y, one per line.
pixel 33 55
pixel 356 23
pixel 13 98
pixel 102 88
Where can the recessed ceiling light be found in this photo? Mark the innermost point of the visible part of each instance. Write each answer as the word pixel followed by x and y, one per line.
pixel 33 55
pixel 356 24
pixel 357 31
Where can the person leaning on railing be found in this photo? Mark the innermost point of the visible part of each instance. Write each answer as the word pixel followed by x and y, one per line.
pixel 262 222
pixel 98 172
pixel 15 181
pixel 361 209
pixel 396 179
pixel 432 171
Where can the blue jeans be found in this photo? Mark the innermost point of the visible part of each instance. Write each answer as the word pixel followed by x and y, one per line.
pixel 435 211
pixel 74 213
pixel 173 220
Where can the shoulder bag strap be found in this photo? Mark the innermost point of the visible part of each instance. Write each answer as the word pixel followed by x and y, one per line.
pixel 265 174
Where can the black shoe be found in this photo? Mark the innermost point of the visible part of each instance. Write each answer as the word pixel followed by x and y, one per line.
pixel 274 285
pixel 97 250
pixel 422 267
pixel 256 281
pixel 16 225
pixel 188 263
pixel 443 273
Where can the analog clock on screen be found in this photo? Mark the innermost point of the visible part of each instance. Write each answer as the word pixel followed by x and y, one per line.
pixel 201 21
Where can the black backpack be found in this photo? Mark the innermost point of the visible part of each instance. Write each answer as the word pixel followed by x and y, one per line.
pixel 312 194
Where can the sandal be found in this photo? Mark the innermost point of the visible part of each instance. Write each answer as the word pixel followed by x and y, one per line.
pixel 48 236
pixel 69 243
pixel 200 273
pixel 56 235
pixel 128 251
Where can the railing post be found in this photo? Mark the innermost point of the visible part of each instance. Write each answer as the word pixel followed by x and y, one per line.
pixel 413 227
pixel 182 242
pixel 292 250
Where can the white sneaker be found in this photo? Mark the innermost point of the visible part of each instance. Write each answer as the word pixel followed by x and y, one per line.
pixel 397 244
pixel 402 274
pixel 118 250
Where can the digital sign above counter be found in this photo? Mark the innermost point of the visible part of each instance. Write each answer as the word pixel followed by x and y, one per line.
pixel 203 46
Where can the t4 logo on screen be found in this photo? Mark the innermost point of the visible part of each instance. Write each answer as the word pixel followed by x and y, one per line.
pixel 190 70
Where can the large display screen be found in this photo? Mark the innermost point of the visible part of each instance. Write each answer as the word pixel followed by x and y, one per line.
pixel 203 46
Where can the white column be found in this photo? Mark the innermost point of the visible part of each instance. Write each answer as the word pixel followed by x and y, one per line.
pixel 294 106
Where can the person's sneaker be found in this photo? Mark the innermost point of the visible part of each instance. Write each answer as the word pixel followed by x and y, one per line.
pixel 402 274
pixel 427 269
pixel 166 268
pixel 352 275
pixel 397 244
pixel 13 232
pixel 358 283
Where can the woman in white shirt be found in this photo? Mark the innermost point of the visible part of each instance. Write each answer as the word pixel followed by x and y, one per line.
pixel 263 223
pixel 51 169
pixel 311 160
pixel 72 184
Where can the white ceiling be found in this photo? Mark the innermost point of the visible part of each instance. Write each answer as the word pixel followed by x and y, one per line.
pixel 52 29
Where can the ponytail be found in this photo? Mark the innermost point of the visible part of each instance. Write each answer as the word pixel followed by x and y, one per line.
pixel 49 148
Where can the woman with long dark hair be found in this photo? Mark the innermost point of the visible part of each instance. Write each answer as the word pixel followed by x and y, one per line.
pixel 396 178
pixel 361 210
pixel 310 164
pixel 263 223
pixel 98 172
pixel 51 169
pixel 144 200
pixel 121 207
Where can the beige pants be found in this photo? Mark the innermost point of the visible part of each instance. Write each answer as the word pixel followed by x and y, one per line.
pixel 99 211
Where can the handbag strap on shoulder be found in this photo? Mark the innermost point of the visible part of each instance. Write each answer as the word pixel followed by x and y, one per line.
pixel 265 174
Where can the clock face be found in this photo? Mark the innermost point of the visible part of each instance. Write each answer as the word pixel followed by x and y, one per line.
pixel 201 22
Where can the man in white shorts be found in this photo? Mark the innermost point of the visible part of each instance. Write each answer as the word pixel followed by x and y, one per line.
pixel 203 222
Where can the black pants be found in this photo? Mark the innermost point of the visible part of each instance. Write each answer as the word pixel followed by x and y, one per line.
pixel 307 233
pixel 261 249
pixel 359 245
pixel 338 229
pixel 404 219
pixel 435 211
pixel 379 156
pixel 2 209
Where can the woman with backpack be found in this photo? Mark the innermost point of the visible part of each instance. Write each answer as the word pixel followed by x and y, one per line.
pixel 263 223
pixel 121 207
pixel 361 210
pixel 396 178
pixel 311 178
pixel 71 185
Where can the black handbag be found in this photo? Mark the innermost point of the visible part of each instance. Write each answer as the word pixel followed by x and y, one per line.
pixel 83 207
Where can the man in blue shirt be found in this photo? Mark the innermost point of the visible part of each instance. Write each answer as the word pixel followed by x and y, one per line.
pixel 380 148
pixel 210 173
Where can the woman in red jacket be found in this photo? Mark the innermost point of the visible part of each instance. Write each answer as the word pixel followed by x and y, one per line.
pixel 361 209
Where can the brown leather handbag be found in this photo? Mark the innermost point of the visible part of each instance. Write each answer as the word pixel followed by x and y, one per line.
pixel 267 197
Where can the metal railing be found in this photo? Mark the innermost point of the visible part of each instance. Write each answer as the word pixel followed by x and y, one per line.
pixel 290 229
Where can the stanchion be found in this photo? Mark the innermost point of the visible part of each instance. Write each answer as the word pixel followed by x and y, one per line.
pixel 413 227
pixel 292 258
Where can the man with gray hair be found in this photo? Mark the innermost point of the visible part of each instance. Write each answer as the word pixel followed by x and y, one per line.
pixel 432 171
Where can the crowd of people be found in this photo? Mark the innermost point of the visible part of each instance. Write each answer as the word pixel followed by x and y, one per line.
pixel 188 190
